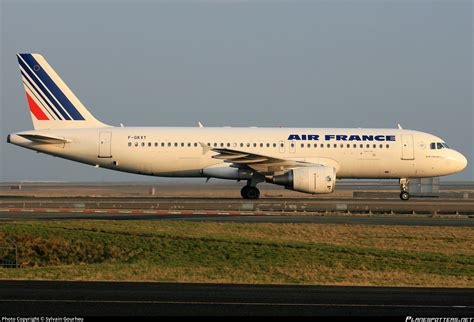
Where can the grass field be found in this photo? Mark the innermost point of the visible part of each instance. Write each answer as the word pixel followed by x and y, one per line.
pixel 242 253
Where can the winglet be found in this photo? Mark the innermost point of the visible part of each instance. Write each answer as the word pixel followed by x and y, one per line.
pixel 205 148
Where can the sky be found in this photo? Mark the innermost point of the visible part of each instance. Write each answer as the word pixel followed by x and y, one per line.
pixel 242 63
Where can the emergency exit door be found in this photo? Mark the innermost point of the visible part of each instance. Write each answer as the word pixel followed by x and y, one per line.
pixel 105 145
pixel 408 147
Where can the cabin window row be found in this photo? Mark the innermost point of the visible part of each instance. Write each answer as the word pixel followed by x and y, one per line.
pixel 342 145
pixel 268 145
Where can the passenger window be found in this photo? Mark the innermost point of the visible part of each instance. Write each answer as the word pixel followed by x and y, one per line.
pixel 292 145
pixel 129 143
pixel 261 145
pixel 274 145
pixel 354 146
pixel 268 145
pixel 241 145
pixel 175 143
pixel 361 146
pixel 143 143
pixel 215 144
pixel 375 146
pixel 309 145
pixel 367 146
pixel 149 143
pixel 315 145
pixel 222 145
pixel 328 145
pixel 302 145
pixel 335 145
pixel 248 145
pixel 341 145
pixel 387 146
pixel 255 145
pixel 321 146
pixel 182 143
pixel 381 146
pixel 228 145
pixel 348 145
pixel 169 143
pixel 195 144
pixel 189 144
pixel 136 143
pixel 282 145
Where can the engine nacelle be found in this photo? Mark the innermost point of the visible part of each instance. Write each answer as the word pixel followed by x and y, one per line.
pixel 317 179
pixel 225 171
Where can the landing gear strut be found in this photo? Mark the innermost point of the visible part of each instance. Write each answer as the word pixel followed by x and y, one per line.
pixel 249 192
pixel 404 194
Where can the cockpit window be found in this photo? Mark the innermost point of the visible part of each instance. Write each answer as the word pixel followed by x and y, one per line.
pixel 438 146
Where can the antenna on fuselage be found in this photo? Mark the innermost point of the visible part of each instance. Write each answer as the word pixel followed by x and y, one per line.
pixel 200 124
pixel 399 126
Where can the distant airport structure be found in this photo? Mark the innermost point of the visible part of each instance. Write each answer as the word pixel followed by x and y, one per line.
pixel 302 159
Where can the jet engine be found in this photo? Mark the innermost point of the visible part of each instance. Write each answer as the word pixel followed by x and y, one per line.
pixel 317 179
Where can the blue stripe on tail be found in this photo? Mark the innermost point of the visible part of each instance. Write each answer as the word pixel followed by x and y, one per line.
pixel 39 92
pixel 51 85
pixel 42 89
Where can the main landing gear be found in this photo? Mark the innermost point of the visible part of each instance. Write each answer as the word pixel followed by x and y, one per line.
pixel 249 192
pixel 404 195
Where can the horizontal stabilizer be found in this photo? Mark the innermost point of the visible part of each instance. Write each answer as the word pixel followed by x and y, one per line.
pixel 44 138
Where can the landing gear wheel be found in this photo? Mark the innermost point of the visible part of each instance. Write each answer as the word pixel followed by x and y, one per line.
pixel 404 195
pixel 249 192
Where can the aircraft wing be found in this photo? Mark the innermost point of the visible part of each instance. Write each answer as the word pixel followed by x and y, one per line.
pixel 258 162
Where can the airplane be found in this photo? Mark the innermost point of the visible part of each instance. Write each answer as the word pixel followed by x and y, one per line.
pixel 307 160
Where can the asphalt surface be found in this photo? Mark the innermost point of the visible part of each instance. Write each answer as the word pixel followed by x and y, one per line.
pixel 36 298
pixel 332 204
pixel 309 219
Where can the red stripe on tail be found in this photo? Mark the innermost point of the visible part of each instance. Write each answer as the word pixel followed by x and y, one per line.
pixel 34 108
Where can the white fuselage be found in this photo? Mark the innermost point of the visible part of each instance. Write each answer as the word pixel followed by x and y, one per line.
pixel 181 152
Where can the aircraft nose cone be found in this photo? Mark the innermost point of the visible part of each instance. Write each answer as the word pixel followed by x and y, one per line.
pixel 462 162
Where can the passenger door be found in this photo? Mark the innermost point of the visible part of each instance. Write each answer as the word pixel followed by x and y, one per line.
pixel 105 145
pixel 408 148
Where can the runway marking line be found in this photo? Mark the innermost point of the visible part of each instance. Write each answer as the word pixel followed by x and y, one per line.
pixel 132 211
pixel 237 303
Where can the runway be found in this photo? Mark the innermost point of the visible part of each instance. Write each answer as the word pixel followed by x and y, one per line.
pixel 48 298
pixel 238 205
pixel 309 219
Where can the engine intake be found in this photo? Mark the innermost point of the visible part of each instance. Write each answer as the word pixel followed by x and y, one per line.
pixel 318 179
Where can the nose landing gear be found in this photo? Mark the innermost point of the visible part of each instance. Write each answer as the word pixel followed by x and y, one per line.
pixel 404 194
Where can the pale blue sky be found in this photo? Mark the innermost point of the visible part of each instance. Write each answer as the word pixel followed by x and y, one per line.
pixel 249 63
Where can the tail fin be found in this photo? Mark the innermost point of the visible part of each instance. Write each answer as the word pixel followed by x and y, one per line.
pixel 52 104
